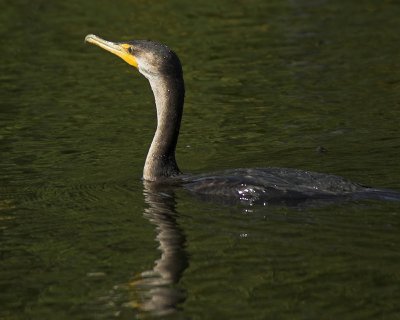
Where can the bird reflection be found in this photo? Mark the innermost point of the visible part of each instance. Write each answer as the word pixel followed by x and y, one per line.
pixel 155 291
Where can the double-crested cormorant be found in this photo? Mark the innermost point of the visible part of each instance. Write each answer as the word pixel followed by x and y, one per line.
pixel 161 66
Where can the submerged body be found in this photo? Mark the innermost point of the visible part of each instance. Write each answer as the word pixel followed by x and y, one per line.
pixel 264 186
pixel 162 68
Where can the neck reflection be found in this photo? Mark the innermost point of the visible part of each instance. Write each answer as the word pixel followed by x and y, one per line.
pixel 155 290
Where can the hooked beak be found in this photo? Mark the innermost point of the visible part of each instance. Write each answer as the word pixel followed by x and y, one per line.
pixel 117 48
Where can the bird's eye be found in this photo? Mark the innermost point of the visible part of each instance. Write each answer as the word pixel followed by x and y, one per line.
pixel 130 50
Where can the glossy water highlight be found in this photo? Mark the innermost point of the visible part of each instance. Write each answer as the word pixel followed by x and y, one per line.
pixel 308 85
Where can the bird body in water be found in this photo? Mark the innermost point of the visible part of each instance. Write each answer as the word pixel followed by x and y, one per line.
pixel 162 67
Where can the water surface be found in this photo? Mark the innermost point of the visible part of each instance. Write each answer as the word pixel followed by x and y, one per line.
pixel 268 84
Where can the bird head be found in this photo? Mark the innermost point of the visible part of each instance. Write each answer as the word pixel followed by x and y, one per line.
pixel 151 58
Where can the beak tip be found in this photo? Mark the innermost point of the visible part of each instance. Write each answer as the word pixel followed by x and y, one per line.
pixel 89 38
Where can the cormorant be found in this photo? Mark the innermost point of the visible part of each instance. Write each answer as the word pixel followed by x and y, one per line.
pixel 162 67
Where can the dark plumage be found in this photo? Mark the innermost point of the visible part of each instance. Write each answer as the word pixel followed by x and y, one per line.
pixel 161 66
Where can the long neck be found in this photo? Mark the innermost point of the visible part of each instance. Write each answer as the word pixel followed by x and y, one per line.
pixel 169 95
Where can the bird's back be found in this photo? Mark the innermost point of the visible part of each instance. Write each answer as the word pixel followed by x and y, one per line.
pixel 277 185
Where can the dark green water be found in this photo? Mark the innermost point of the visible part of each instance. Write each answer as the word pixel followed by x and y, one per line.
pixel 268 83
